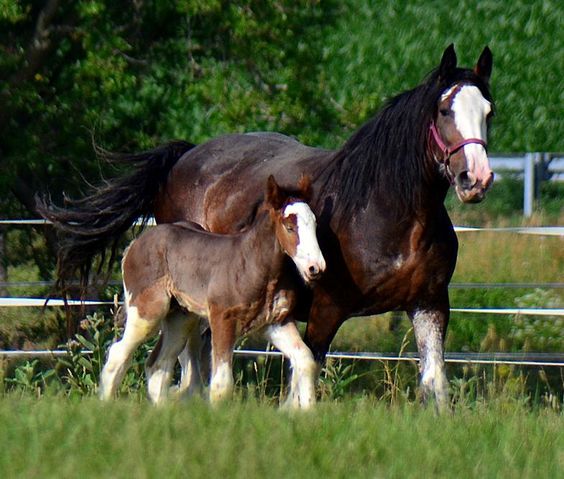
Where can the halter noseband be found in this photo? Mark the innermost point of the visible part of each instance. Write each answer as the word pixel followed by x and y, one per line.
pixel 449 151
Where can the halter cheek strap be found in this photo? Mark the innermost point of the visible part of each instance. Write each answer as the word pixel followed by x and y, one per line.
pixel 449 151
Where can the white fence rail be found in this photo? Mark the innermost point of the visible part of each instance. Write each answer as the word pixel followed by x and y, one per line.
pixel 521 359
pixel 536 167
pixel 516 359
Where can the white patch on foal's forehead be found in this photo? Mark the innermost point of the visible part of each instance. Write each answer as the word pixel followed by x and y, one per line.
pixel 307 250
pixel 470 111
pixel 303 213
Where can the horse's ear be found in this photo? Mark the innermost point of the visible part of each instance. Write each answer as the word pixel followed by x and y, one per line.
pixel 274 196
pixel 484 66
pixel 305 187
pixel 448 63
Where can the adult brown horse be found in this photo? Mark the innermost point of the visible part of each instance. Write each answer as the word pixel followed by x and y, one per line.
pixel 383 228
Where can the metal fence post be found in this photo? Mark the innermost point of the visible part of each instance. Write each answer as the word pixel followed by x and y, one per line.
pixel 529 184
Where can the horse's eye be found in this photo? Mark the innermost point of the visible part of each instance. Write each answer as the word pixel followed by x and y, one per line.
pixel 289 228
pixel 444 111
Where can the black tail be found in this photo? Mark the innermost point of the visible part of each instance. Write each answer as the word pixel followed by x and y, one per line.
pixel 92 226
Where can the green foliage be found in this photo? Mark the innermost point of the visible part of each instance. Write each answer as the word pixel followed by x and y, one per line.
pixel 538 333
pixel 375 52
pixel 135 76
pixel 78 373
pixel 336 378
pixel 30 378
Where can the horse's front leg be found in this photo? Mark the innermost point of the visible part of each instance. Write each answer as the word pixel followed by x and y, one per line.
pixel 325 319
pixel 430 325
pixel 287 339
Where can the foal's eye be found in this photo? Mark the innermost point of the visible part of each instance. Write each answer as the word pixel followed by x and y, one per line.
pixel 290 228
pixel 444 111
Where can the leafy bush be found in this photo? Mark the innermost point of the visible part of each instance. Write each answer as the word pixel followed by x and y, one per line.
pixel 78 372
pixel 534 333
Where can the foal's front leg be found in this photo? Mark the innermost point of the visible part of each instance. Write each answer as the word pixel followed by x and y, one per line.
pixel 287 339
pixel 223 341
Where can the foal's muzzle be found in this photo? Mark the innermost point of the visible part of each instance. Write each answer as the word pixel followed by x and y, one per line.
pixel 314 270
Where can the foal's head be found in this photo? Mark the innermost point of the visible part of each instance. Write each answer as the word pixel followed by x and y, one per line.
pixel 295 226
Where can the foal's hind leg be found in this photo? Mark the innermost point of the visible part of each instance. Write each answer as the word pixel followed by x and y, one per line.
pixel 137 330
pixel 176 332
pixel 287 339
pixel 175 329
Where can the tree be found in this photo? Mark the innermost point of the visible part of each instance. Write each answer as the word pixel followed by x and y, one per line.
pixel 132 74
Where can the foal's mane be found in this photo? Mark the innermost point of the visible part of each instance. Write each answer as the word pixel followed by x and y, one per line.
pixel 389 153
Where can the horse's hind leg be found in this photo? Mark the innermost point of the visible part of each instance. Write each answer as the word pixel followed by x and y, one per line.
pixel 175 330
pixel 137 330
pixel 191 360
pixel 287 339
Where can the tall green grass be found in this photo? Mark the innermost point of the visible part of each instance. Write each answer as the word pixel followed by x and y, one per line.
pixel 58 437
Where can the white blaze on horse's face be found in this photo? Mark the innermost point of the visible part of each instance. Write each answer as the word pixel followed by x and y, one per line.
pixel 470 112
pixel 307 255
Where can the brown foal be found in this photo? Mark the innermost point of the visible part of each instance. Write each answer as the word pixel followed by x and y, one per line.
pixel 241 283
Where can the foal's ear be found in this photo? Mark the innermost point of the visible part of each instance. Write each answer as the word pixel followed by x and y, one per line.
pixel 484 66
pixel 304 185
pixel 274 196
pixel 448 63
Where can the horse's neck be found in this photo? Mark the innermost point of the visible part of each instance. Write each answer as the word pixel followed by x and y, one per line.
pixel 389 209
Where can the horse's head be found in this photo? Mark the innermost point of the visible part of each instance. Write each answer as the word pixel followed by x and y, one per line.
pixel 296 226
pixel 458 132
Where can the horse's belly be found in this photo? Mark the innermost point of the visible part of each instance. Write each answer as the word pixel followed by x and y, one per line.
pixel 413 279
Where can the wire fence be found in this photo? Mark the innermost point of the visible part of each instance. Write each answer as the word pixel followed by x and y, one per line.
pixel 520 359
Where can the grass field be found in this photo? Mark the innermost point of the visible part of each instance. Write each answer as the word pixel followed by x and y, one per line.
pixel 58 437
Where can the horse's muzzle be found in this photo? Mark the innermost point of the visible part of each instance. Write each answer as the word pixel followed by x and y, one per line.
pixel 471 190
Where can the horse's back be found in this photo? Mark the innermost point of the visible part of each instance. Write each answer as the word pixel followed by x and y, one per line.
pixel 219 183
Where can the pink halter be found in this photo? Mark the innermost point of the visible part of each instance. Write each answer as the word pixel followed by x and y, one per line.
pixel 448 152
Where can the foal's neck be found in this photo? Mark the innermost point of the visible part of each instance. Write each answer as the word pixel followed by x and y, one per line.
pixel 261 247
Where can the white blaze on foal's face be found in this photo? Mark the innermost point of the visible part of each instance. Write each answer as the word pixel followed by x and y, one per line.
pixel 299 220
pixel 471 110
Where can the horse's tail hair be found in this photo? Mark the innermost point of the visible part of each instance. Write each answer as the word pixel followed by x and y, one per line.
pixel 91 227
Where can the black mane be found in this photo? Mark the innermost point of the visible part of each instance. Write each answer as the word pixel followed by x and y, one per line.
pixel 389 153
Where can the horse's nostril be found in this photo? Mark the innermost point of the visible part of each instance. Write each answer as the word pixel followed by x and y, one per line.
pixel 464 180
pixel 313 269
